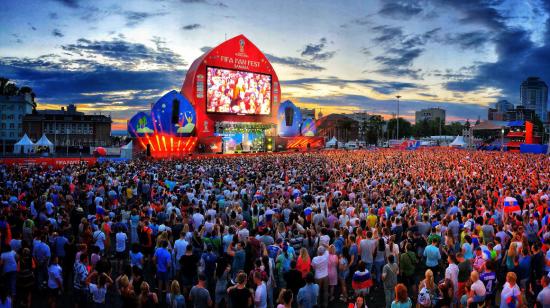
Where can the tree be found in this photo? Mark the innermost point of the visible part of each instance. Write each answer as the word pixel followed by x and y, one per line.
pixel 374 129
pixel 405 128
pixel 3 82
pixel 11 89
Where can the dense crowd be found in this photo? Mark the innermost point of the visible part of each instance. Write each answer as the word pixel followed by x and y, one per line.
pixel 426 228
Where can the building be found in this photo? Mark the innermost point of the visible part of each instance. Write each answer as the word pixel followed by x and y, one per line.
pixel 308 113
pixel 69 127
pixel 12 110
pixel 515 114
pixel 504 106
pixel 534 95
pixel 340 126
pixel 430 114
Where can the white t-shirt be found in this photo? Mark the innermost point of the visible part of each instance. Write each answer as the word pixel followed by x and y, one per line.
pixel 260 296
pixel 99 238
pixel 179 247
pixel 320 265
pixel 98 294
pixel 478 287
pixel 121 239
pixel 54 273
pixel 451 273
pixel 508 291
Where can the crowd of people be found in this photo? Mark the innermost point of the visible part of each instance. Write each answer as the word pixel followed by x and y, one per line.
pixel 425 228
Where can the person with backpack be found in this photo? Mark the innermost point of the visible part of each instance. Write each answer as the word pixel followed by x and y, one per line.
pixel 390 272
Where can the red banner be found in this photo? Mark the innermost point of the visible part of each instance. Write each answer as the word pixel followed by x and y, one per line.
pixel 58 162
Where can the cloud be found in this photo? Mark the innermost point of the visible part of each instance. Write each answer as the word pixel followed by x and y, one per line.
pixel 469 40
pixel 134 18
pixel 205 49
pixel 517 58
pixel 99 87
pixel 298 63
pixel 124 53
pixel 387 34
pixel 398 59
pixel 400 9
pixel 69 3
pixel 57 33
pixel 191 27
pixel 383 87
pixel 315 51
pixel 481 12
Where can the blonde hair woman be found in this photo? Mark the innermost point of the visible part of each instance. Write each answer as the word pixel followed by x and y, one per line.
pixel 174 299
pixel 511 256
pixel 303 263
pixel 510 291
pixel 427 289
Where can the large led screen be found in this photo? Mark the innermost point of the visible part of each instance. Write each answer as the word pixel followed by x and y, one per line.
pixel 237 92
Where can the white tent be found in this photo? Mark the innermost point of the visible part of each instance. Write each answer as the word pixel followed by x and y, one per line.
pixel 126 151
pixel 331 143
pixel 458 142
pixel 45 142
pixel 24 145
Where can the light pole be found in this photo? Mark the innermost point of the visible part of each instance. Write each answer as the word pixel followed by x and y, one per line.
pixel 397 124
pixel 502 140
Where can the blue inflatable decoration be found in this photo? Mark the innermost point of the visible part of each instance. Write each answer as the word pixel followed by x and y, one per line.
pixel 289 118
pixel 308 129
pixel 140 125
pixel 174 115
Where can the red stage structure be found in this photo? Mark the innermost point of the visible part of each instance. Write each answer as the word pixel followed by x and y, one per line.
pixel 229 103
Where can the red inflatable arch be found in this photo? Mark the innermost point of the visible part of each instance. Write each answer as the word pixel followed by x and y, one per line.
pixel 237 54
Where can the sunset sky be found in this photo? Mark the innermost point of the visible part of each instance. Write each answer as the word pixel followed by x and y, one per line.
pixel 118 57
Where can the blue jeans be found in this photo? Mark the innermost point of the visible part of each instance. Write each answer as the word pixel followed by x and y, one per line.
pixel 378 265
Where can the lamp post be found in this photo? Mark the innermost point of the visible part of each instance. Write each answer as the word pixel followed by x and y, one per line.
pixel 397 124
pixel 502 140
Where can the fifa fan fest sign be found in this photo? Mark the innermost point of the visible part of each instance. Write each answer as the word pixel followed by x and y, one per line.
pixel 232 82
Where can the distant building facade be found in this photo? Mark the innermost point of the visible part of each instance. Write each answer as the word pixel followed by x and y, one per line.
pixel 308 113
pixel 515 114
pixel 534 95
pixel 340 126
pixel 430 114
pixel 69 127
pixel 12 110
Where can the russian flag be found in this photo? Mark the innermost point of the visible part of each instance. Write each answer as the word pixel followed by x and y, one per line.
pixel 511 205
pixel 361 280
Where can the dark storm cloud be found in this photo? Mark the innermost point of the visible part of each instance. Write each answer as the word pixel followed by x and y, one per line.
pixel 398 59
pixel 191 27
pixel 400 9
pixel 517 58
pixel 57 33
pixel 297 63
pixel 481 12
pixel 54 82
pixel 469 40
pixel 383 87
pixel 316 51
pixel 126 53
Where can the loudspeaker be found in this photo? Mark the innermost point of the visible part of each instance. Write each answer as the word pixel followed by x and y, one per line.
pixel 289 116
pixel 175 111
pixel 148 150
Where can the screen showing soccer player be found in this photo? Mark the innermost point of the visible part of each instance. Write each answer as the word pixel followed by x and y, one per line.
pixel 238 92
